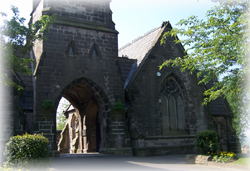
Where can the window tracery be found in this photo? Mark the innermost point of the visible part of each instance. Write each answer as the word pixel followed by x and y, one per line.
pixel 172 106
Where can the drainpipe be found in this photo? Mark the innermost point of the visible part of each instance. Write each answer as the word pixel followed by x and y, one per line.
pixel 24 121
pixel 34 91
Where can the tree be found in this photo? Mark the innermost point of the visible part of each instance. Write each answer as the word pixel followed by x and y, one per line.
pixel 17 41
pixel 60 117
pixel 60 120
pixel 217 49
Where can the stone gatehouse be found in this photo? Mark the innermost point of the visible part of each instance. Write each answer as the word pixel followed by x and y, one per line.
pixel 80 61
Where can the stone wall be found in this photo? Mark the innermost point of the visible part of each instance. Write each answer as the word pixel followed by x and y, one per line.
pixel 76 54
pixel 151 146
pixel 227 138
pixel 97 11
pixel 145 94
pixel 7 112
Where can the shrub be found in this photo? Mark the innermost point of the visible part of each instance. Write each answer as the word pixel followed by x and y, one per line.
pixel 26 150
pixel 119 106
pixel 206 141
pixel 47 104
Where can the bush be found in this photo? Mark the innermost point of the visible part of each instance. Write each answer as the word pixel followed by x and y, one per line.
pixel 26 150
pixel 206 141
pixel 47 104
pixel 119 106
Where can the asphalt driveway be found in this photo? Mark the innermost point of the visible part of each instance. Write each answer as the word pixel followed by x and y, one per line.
pixel 90 162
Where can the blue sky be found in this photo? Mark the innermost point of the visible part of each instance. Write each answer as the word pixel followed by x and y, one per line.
pixel 134 18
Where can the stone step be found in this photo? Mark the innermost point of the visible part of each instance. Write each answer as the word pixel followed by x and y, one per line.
pixel 117 124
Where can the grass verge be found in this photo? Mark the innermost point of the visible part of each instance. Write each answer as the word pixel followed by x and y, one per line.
pixel 243 160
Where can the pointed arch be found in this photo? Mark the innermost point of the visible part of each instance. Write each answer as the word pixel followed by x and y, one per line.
pixel 71 49
pixel 88 98
pixel 172 105
pixel 172 85
pixel 95 51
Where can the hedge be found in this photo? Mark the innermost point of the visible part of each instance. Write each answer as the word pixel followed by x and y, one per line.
pixel 26 150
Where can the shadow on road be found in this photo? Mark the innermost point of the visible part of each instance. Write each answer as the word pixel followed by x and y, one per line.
pixel 71 162
pixel 113 162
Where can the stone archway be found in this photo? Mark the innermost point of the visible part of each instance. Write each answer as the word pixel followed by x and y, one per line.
pixel 86 128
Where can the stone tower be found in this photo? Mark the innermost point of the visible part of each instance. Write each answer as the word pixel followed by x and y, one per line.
pixel 78 60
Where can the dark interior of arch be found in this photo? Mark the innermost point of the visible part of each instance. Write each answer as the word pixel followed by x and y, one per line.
pixel 84 132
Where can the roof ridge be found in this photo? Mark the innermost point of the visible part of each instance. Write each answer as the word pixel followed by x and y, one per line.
pixel 138 38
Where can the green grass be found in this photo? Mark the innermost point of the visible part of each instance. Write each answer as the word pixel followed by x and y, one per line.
pixel 243 160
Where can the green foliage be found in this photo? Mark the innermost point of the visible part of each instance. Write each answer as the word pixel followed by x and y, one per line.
pixel 216 50
pixel 60 117
pixel 60 121
pixel 206 141
pixel 47 104
pixel 119 106
pixel 241 117
pixel 25 150
pixel 16 42
pixel 223 156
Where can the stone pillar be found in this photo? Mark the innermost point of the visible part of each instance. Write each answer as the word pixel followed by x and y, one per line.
pixel 85 144
pixel 80 145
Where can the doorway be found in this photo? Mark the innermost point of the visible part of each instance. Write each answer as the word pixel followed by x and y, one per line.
pixel 83 131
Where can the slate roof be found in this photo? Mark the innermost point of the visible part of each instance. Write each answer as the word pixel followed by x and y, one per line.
pixel 140 49
pixel 141 46
pixel 219 106
pixel 26 96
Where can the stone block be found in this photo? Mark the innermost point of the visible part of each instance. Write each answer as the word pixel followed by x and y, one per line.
pixel 190 158
pixel 196 159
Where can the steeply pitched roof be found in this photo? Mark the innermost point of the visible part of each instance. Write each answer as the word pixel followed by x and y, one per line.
pixel 219 107
pixel 26 95
pixel 140 49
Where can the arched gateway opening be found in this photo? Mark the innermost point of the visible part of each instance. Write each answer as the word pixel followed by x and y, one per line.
pixel 85 129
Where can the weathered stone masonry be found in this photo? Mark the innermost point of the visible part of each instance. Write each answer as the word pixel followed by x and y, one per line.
pixel 91 26
pixel 79 60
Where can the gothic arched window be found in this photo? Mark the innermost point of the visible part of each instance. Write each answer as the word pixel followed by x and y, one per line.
pixel 71 49
pixel 95 51
pixel 172 106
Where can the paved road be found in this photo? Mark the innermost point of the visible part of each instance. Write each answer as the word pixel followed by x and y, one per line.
pixel 92 162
